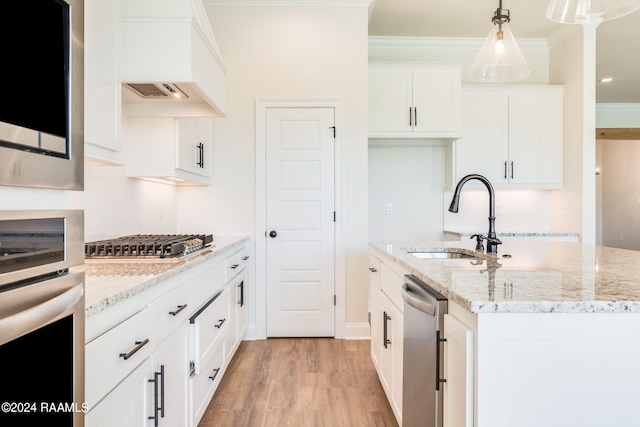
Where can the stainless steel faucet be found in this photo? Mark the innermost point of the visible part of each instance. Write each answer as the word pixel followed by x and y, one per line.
pixel 492 240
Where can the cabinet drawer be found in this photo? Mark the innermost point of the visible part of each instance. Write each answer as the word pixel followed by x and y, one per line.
pixel 172 309
pixel 391 280
pixel 206 284
pixel 232 265
pixel 244 258
pixel 113 355
pixel 203 385
pixel 209 326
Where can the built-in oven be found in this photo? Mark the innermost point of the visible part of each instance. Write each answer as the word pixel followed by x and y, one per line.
pixel 42 108
pixel 41 318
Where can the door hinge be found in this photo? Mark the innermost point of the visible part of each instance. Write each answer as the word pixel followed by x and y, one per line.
pixel 335 300
pixel 334 130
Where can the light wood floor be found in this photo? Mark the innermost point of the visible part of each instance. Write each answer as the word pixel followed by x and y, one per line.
pixel 300 382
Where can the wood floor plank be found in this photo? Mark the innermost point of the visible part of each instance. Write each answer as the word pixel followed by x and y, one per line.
pixel 300 382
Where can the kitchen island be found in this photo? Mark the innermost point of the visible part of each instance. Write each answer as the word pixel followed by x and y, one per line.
pixel 544 334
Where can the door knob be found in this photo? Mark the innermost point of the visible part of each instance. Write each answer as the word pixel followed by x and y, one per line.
pixel 273 234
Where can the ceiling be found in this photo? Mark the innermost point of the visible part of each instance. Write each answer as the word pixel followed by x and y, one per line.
pixel 618 40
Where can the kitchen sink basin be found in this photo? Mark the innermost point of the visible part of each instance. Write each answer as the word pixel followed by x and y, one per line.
pixel 440 254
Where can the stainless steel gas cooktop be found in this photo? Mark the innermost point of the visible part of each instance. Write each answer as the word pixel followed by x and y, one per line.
pixel 147 246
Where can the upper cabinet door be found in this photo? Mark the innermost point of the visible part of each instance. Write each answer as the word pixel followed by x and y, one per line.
pixel 390 101
pixel 535 138
pixel 484 146
pixel 512 135
pixel 414 101
pixel 436 101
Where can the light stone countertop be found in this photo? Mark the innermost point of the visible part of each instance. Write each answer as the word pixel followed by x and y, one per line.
pixel 110 281
pixel 540 277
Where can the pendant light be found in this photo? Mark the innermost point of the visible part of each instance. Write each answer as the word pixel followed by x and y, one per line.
pixel 589 11
pixel 499 59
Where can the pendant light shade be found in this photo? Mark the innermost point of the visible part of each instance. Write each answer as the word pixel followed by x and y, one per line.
pixel 589 11
pixel 499 59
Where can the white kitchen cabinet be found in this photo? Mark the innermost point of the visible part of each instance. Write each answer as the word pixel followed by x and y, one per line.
pixel 210 331
pixel 512 136
pixel 387 332
pixel 183 334
pixel 128 405
pixel 458 372
pixel 171 363
pixel 171 150
pixel 414 101
pixel 102 88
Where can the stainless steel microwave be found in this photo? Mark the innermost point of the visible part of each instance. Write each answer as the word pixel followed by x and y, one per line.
pixel 42 107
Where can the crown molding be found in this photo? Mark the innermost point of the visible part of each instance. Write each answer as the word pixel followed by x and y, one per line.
pixel 281 3
pixel 447 42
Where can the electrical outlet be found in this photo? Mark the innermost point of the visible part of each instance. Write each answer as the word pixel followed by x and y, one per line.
pixel 389 209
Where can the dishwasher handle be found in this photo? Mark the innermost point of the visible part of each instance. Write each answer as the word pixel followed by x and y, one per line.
pixel 411 295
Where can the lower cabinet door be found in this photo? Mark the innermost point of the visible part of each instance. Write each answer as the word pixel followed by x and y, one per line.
pixel 129 404
pixel 204 384
pixel 171 371
pixel 458 371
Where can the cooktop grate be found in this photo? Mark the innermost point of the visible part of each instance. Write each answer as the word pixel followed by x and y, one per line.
pixel 147 245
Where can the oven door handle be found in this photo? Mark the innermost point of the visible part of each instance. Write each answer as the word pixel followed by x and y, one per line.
pixel 28 320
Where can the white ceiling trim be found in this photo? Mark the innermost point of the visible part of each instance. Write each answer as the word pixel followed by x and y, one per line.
pixel 444 42
pixel 280 3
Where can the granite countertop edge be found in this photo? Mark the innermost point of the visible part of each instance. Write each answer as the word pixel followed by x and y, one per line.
pixel 479 306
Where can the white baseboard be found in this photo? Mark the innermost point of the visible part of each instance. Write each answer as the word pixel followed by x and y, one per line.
pixel 353 331
pixel 357 331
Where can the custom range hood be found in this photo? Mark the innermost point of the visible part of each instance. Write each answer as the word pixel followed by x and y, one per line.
pixel 169 56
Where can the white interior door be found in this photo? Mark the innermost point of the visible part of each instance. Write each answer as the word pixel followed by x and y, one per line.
pixel 300 221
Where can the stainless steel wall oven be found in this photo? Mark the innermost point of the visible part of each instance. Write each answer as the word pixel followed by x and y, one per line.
pixel 42 109
pixel 41 318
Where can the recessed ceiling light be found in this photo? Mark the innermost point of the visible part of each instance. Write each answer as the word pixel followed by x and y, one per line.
pixel 606 80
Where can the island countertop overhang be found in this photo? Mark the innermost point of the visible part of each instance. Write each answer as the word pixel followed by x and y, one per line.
pixel 538 277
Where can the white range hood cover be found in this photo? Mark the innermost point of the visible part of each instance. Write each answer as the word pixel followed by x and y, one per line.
pixel 170 43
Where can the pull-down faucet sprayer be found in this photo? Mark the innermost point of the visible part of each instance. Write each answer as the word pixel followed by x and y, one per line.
pixel 492 240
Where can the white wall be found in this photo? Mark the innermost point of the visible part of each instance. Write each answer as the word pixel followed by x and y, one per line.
pixel 410 178
pixel 618 115
pixel 287 52
pixel 114 205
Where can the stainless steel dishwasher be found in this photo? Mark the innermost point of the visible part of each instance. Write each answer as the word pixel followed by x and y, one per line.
pixel 424 311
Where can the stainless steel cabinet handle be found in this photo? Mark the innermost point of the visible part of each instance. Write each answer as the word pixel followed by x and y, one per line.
pixel 415 116
pixel 200 154
pixel 244 258
pixel 412 298
pixel 134 350
pixel 439 341
pixel 241 301
pixel 179 309
pixel 219 325
pixel 511 170
pixel 410 116
pixel 215 374
pixel 234 266
pixel 372 269
pixel 158 408
pixel 385 337
pixel 505 170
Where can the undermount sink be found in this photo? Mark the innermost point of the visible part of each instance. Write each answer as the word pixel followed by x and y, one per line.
pixel 439 254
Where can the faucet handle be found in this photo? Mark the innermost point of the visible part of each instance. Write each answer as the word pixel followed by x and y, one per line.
pixel 479 238
pixel 494 240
